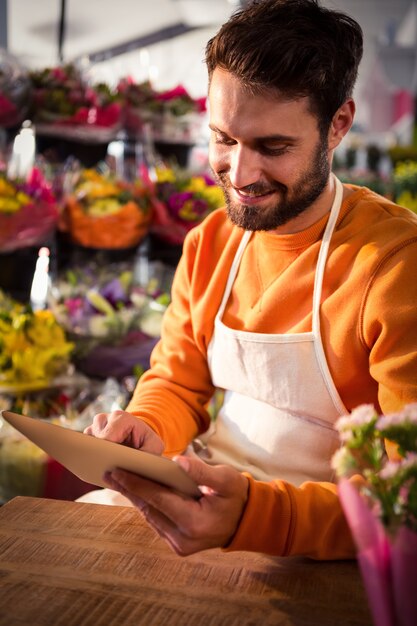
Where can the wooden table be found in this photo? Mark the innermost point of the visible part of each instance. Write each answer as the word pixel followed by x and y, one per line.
pixel 73 564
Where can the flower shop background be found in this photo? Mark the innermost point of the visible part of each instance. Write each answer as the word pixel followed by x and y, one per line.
pixel 103 170
pixel 96 196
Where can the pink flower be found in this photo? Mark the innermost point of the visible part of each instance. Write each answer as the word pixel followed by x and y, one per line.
pixel 407 415
pixel 177 92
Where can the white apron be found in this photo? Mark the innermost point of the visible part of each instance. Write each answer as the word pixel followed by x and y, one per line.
pixel 280 400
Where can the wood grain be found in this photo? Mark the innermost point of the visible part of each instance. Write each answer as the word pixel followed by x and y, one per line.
pixel 76 564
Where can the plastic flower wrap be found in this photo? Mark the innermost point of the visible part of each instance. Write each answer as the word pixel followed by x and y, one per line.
pixel 113 322
pixel 140 105
pixel 105 212
pixel 25 469
pixel 173 115
pixel 181 116
pixel 63 100
pixel 15 91
pixel 28 211
pixel 382 512
pixel 181 201
pixel 33 346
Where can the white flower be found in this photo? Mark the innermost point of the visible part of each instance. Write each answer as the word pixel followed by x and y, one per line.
pixel 362 415
pixel 391 468
pixel 342 462
pixel 407 415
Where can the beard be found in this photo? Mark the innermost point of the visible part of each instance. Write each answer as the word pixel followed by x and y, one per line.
pixel 293 202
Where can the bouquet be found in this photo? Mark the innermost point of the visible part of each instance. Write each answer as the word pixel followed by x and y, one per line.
pixel 382 513
pixel 181 116
pixel 105 212
pixel 181 201
pixel 28 211
pixel 140 105
pixel 62 99
pixel 113 322
pixel 173 115
pixel 33 347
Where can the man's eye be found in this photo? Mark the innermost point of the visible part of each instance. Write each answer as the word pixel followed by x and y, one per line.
pixel 273 150
pixel 225 141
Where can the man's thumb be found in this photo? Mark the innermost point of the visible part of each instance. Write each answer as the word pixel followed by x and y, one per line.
pixel 202 473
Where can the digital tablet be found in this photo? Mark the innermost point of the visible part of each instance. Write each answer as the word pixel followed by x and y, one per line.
pixel 89 458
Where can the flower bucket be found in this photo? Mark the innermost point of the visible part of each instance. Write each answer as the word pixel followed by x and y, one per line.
pixel 388 566
pixel 124 229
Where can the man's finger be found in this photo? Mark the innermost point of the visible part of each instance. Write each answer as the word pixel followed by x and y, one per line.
pixel 207 475
pixel 166 529
pixel 161 498
pixel 162 525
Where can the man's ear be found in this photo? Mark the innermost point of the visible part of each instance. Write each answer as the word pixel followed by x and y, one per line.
pixel 341 123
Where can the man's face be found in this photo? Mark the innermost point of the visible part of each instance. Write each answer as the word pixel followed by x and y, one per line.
pixel 267 154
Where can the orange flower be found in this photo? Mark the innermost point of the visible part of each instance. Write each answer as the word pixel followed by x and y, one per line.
pixel 121 229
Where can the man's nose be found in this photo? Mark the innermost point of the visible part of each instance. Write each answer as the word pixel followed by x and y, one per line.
pixel 245 168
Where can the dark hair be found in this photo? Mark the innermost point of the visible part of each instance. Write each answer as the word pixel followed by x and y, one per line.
pixel 294 47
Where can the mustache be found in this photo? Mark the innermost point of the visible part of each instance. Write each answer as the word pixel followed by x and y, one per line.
pixel 254 188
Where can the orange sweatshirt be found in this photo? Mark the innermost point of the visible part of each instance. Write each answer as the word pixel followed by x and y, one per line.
pixel 368 320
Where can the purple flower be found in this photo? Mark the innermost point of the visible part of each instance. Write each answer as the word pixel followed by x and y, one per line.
pixel 177 201
pixel 209 180
pixel 114 292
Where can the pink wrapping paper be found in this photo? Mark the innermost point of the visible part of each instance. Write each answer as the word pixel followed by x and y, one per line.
pixel 388 566
pixel 374 554
pixel 165 226
pixel 27 227
pixel 404 576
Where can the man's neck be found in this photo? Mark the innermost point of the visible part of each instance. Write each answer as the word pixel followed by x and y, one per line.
pixel 315 211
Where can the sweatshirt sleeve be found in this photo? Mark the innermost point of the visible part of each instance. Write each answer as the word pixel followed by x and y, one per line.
pixel 283 520
pixel 389 327
pixel 172 396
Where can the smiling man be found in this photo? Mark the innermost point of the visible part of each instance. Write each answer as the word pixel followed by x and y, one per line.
pixel 270 177
pixel 298 300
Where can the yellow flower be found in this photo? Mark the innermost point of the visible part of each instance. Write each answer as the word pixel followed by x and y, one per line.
pixel 104 206
pixel 99 189
pixel 187 213
pixel 33 346
pixel 11 200
pixel 165 175
pixel 15 341
pixel 6 188
pixel 197 184
pixel 214 196
pixel 27 365
pixel 211 193
pixel 408 200
pixel 44 332
pixel 9 205
pixel 94 185
pixel 23 198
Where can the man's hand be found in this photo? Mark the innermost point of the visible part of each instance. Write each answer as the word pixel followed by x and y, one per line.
pixel 122 427
pixel 189 525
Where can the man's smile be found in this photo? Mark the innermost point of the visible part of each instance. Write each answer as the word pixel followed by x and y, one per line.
pixel 251 197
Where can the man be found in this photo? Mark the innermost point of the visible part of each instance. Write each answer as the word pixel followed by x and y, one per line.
pixel 298 300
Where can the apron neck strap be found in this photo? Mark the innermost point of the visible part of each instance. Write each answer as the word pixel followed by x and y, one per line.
pixel 233 271
pixel 324 251
pixel 324 248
